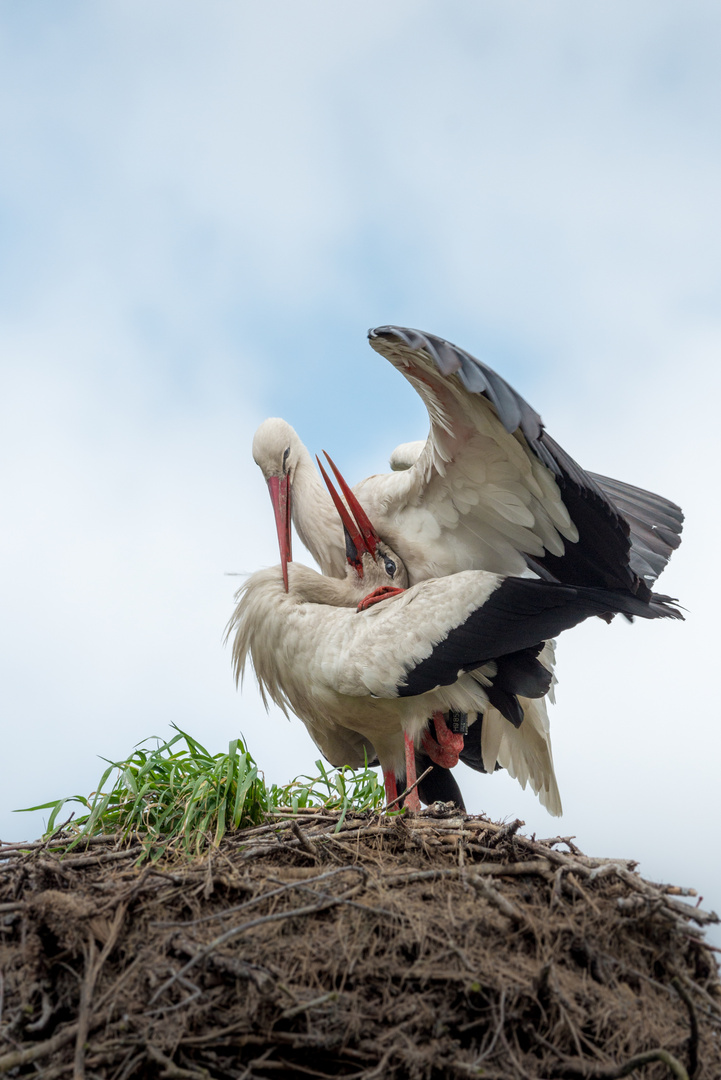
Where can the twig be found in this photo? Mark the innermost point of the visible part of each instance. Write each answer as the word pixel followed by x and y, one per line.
pixel 504 906
pixel 693 1022
pixel 78 861
pixel 499 1027
pixel 353 832
pixel 538 866
pixel 173 1071
pixel 557 891
pixel 288 887
pixel 303 840
pixel 84 1011
pixel 93 968
pixel 715 1005
pixel 304 887
pixel 293 1068
pixel 240 969
pixel 439 825
pixel 15 848
pixel 567 840
pixel 50 1046
pixel 248 1070
pixel 688 911
pixel 195 993
pixel 408 790
pixel 296 1010
pixel 380 1069
pixel 585 895
pixel 237 930
pixel 47 840
pixel 506 832
pixel 615 1072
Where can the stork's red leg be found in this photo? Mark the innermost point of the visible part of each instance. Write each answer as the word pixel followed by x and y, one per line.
pixel 389 779
pixel 446 746
pixel 412 801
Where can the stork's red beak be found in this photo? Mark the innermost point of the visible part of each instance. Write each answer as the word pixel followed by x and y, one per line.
pixel 360 535
pixel 279 488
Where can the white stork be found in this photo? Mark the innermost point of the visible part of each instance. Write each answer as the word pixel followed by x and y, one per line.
pixel 491 742
pixel 488 490
pixel 365 677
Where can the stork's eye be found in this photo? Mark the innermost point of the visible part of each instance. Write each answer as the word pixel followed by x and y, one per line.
pixel 390 566
pixel 286 452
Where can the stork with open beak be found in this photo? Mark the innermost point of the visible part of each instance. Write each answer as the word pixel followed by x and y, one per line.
pixel 488 490
pixel 491 742
pixel 365 678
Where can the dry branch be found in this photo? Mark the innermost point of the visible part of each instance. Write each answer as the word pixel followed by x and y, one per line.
pixel 460 943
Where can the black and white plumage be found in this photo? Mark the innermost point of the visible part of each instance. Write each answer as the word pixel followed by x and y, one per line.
pixel 489 489
pixel 616 535
pixel 362 680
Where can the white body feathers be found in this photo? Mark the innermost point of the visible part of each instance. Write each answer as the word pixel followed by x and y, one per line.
pixel 339 670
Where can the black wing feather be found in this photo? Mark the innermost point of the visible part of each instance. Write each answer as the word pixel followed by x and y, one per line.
pixel 625 535
pixel 655 522
pixel 520 614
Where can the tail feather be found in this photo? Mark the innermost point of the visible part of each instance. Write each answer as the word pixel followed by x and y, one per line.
pixel 525 752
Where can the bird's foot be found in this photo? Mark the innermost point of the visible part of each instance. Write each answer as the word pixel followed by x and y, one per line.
pixel 375 597
pixel 445 749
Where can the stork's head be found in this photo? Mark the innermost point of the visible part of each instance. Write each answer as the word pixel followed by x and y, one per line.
pixel 276 450
pixel 372 564
pixel 382 570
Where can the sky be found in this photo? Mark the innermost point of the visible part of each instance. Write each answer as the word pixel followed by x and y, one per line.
pixel 203 207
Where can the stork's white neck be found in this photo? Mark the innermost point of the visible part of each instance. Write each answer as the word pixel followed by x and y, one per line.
pixel 308 587
pixel 316 519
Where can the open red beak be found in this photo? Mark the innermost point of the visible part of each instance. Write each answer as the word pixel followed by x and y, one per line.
pixel 360 535
pixel 279 488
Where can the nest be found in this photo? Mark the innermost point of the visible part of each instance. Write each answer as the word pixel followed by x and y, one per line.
pixel 327 946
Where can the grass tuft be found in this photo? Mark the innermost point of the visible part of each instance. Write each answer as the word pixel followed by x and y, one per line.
pixel 337 789
pixel 177 792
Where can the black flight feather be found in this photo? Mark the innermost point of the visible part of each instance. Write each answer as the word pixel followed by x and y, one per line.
pixel 626 535
pixel 520 614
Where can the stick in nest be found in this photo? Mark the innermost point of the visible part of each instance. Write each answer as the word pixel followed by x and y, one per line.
pixel 236 930
pixel 408 790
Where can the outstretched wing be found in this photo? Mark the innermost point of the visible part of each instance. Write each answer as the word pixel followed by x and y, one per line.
pixel 429 635
pixel 655 523
pixel 491 489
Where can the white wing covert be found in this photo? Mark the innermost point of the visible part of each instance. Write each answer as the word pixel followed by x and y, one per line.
pixel 500 491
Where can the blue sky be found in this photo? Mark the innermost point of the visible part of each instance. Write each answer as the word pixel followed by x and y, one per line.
pixel 204 206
